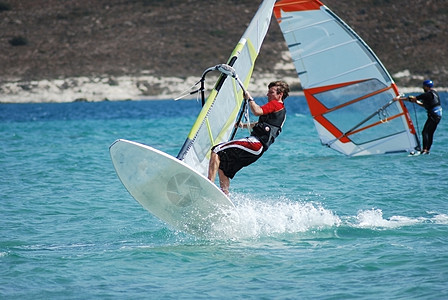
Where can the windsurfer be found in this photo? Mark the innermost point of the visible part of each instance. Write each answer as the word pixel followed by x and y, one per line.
pixel 229 157
pixel 430 100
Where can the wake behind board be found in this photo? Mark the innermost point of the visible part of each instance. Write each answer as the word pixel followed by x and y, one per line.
pixel 170 189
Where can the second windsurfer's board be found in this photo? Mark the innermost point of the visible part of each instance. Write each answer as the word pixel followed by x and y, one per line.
pixel 170 189
pixel 414 153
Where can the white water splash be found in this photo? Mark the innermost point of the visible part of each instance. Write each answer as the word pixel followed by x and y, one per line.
pixel 254 218
pixel 264 218
pixel 439 218
pixel 373 218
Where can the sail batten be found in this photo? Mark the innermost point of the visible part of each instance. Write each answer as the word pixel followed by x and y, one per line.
pixel 302 27
pixel 373 124
pixel 343 74
pixel 329 49
pixel 357 100
pixel 345 84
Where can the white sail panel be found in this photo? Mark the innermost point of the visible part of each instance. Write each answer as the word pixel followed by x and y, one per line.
pixel 346 86
pixel 216 120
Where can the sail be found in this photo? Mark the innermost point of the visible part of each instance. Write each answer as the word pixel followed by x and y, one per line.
pixel 216 120
pixel 348 90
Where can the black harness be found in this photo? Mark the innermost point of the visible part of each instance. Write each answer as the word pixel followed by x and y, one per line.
pixel 433 101
pixel 269 127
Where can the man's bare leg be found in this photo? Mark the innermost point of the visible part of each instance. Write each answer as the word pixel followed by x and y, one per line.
pixel 224 182
pixel 213 166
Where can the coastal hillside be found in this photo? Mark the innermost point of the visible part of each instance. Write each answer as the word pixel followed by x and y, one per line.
pixel 55 39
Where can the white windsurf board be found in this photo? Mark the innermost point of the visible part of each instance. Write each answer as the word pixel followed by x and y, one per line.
pixel 170 189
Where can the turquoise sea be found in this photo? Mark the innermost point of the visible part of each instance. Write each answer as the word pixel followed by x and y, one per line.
pixel 314 223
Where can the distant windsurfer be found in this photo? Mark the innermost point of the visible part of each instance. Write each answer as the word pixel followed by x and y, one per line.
pixel 229 157
pixel 430 100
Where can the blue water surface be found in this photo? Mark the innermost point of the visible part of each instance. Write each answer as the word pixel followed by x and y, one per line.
pixel 314 223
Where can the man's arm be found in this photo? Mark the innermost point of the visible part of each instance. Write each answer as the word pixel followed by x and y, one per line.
pixel 410 99
pixel 246 125
pixel 254 107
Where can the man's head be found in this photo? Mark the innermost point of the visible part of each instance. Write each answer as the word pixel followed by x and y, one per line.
pixel 427 84
pixel 280 87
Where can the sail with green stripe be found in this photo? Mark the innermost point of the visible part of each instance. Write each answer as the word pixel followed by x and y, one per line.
pixel 217 118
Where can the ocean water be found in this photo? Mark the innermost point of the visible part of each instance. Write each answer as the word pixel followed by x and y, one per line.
pixel 314 223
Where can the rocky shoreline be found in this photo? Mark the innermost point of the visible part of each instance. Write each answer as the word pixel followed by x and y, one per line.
pixel 53 51
pixel 144 87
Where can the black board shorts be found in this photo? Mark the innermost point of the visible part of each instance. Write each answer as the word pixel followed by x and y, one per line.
pixel 237 154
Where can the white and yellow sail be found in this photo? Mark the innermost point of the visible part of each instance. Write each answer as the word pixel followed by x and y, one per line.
pixel 216 120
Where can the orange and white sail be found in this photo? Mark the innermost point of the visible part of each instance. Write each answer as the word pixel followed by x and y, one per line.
pixel 348 90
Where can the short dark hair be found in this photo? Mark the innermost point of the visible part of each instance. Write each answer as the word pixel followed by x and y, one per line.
pixel 282 87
